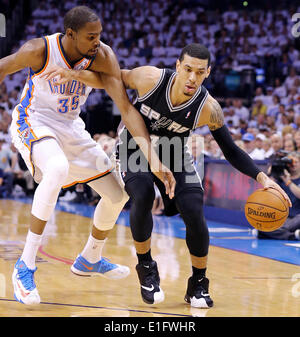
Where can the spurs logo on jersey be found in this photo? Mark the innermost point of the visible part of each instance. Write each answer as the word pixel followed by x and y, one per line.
pixel 161 122
pixel 162 119
pixel 170 126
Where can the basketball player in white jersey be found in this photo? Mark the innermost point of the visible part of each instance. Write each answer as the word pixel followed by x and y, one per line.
pixel 47 131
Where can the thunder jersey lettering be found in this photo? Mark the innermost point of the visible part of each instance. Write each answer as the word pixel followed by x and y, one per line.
pixel 164 120
pixel 45 99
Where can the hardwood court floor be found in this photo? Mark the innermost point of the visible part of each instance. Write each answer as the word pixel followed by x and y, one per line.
pixel 240 284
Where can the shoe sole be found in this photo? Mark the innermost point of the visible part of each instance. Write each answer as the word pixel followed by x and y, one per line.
pixel 107 275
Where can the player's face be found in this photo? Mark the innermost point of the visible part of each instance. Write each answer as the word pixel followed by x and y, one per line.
pixel 191 73
pixel 87 40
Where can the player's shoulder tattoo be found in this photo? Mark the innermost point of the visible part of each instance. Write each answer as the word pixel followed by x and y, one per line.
pixel 216 119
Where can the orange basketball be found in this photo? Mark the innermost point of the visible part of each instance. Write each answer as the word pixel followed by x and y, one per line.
pixel 266 210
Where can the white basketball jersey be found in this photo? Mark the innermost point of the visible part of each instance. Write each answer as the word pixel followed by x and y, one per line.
pixel 44 98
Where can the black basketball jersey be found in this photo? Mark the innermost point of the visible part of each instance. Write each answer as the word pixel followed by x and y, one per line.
pixel 170 124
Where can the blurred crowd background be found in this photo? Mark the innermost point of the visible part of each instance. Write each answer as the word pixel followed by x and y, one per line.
pixel 255 69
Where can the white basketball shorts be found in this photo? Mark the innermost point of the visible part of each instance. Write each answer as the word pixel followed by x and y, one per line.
pixel 87 159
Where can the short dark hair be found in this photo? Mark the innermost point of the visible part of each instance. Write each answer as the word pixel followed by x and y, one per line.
pixel 196 50
pixel 78 16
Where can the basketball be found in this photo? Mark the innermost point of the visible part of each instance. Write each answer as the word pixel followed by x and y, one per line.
pixel 266 210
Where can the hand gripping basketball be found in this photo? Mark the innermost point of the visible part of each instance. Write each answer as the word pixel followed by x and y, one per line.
pixel 266 209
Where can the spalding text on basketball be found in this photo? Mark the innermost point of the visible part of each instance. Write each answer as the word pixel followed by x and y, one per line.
pixel 268 215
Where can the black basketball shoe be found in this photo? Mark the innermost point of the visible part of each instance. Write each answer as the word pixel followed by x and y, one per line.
pixel 149 280
pixel 197 293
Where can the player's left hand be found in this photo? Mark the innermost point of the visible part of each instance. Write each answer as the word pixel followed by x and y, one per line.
pixel 167 177
pixel 61 75
pixel 266 182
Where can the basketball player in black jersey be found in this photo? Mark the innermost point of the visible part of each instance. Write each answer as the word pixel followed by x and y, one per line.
pixel 173 104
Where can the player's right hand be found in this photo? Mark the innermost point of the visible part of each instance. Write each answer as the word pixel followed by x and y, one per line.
pixel 266 182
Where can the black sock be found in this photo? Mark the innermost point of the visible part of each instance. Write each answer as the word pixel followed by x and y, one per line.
pixel 198 272
pixel 145 257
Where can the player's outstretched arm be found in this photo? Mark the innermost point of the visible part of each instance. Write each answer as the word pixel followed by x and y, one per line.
pixel 64 75
pixel 235 155
pixel 31 54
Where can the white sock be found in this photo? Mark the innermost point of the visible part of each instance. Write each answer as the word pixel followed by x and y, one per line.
pixel 33 241
pixel 93 249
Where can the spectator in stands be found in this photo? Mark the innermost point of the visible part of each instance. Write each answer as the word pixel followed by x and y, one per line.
pixel 287 132
pixel 273 107
pixel 230 118
pixel 290 80
pixel 293 96
pixel 250 147
pixel 276 142
pixel 4 102
pixel 10 82
pixel 261 121
pixel 267 146
pixel 270 123
pixel 259 142
pixel 42 11
pixel 280 90
pixel 243 126
pixel 259 94
pixel 297 122
pixel 214 150
pixel 282 118
pixel 240 110
pixel 268 100
pixel 258 108
pixel 290 145
pixel 284 65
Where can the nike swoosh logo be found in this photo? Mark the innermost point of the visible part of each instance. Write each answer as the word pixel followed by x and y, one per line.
pixel 148 288
pixel 24 294
pixel 204 295
pixel 89 268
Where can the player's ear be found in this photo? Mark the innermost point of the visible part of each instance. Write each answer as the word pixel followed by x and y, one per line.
pixel 177 66
pixel 208 71
pixel 70 33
